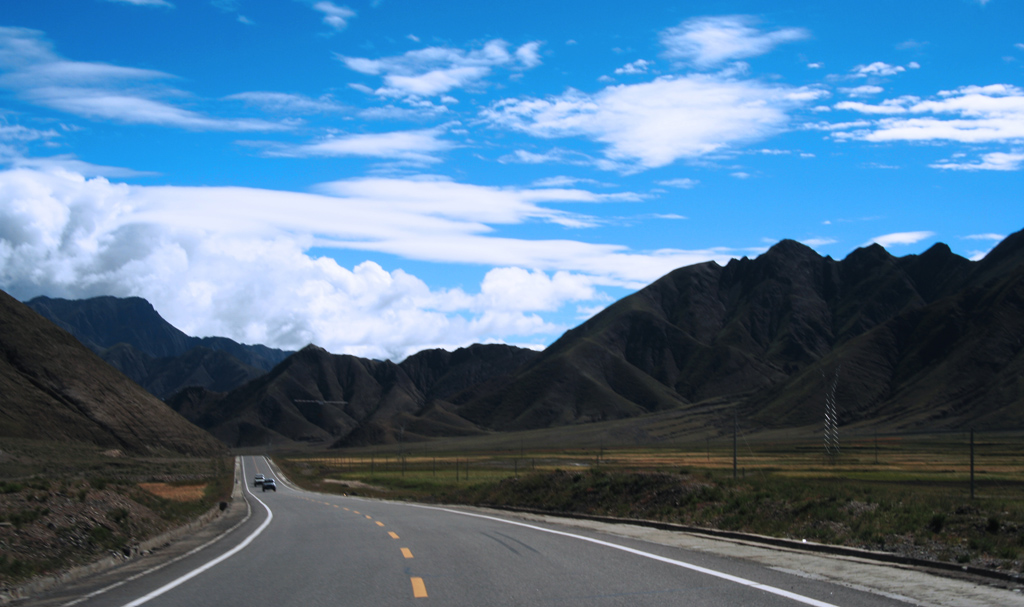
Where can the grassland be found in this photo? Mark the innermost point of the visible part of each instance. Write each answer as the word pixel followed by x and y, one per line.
pixel 66 504
pixel 906 494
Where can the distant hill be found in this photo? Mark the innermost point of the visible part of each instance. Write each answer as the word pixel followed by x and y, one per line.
pixel 130 335
pixel 54 388
pixel 318 396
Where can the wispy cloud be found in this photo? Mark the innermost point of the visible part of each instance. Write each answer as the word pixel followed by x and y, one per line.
pixel 437 70
pixel 34 72
pixel 900 238
pixel 995 161
pixel 710 41
pixel 163 3
pixel 289 103
pixel 656 123
pixel 417 146
pixel 970 114
pixel 684 183
pixel 335 16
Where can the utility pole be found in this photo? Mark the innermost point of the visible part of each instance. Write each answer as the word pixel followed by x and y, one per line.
pixel 972 463
pixel 735 423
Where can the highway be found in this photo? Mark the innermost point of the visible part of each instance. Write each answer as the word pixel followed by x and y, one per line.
pixel 310 549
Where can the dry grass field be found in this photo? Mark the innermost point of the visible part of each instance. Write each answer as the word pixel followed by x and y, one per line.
pixel 909 494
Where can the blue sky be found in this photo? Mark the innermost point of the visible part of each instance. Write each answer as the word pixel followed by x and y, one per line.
pixel 383 177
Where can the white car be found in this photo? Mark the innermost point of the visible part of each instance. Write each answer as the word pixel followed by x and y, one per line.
pixel 258 480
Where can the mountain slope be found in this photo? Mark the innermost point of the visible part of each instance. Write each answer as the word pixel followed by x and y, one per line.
pixel 130 335
pixel 707 331
pixel 55 388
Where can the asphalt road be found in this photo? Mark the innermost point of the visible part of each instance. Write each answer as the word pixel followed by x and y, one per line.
pixel 300 548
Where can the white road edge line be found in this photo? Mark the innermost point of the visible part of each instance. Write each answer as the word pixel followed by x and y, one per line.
pixel 96 593
pixel 725 576
pixel 230 553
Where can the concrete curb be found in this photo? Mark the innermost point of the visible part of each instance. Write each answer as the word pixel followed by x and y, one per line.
pixel 764 540
pixel 45 582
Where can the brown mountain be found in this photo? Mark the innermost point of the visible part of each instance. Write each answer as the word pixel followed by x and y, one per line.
pixel 54 388
pixel 921 342
pixel 317 396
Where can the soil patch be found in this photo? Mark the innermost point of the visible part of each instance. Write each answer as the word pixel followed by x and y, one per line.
pixel 177 493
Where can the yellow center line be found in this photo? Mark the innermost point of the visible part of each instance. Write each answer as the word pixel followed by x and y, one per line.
pixel 407 553
pixel 356 511
pixel 380 524
pixel 368 516
pixel 419 591
pixel 393 535
pixel 347 510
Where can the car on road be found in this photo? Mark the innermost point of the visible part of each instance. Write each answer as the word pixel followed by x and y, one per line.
pixel 258 480
pixel 270 484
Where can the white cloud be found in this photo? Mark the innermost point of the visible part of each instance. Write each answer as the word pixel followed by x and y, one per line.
pixel 996 237
pixel 862 91
pixel 334 16
pixel 288 103
pixel 709 41
pixel 420 146
pixel 684 183
pixel 815 66
pixel 878 68
pixel 819 242
pixel 436 70
pixel 995 161
pixel 529 55
pixel 234 261
pixel 637 67
pixel 970 114
pixel 99 91
pixel 900 238
pixel 656 123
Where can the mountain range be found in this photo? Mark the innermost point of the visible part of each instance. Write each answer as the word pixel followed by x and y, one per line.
pixel 925 342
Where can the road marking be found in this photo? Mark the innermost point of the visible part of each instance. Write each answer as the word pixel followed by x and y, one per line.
pixel 347 510
pixel 380 524
pixel 368 516
pixel 393 535
pixel 230 553
pixel 419 591
pixel 356 511
pixel 406 553
pixel 724 576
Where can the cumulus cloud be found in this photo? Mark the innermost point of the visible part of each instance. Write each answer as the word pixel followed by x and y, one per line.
pixel 878 68
pixel 437 70
pixel 236 262
pixel 656 123
pixel 970 114
pixel 710 41
pixel 900 238
pixel 35 73
pixel 637 67
pixel 334 16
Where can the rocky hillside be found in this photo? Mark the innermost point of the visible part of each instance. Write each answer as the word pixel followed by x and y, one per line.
pixel 54 388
